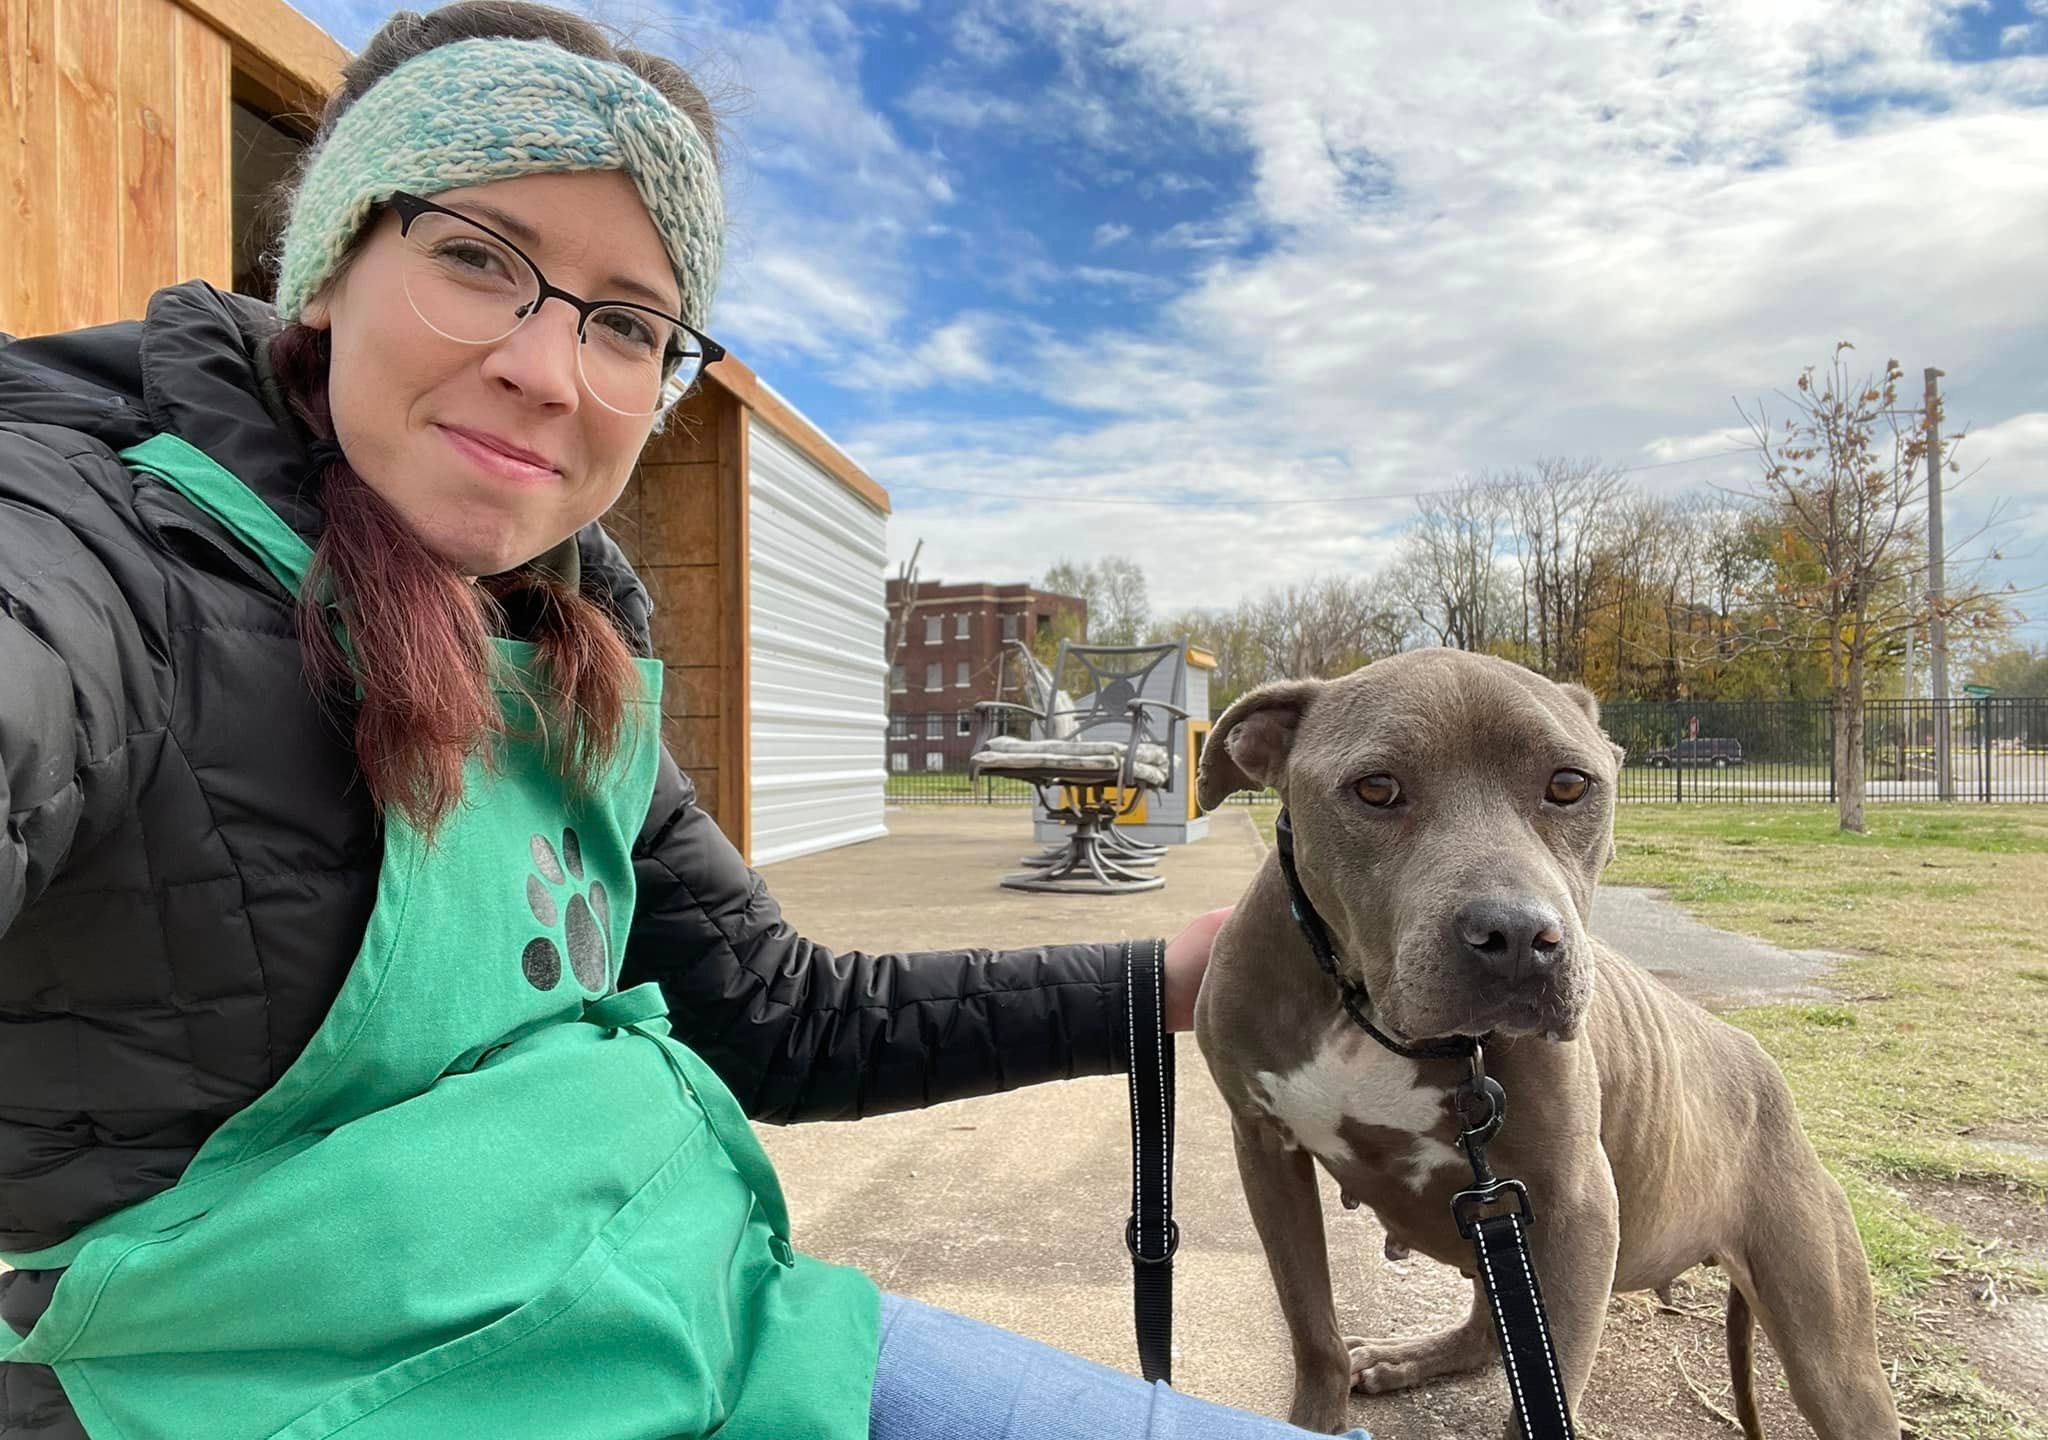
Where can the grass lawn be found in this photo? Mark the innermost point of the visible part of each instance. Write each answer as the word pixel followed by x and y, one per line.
pixel 1930 1068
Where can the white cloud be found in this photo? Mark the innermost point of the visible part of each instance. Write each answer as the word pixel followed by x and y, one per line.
pixel 1131 281
pixel 823 196
pixel 1562 234
pixel 2000 502
pixel 954 351
pixel 963 109
pixel 1110 234
pixel 978 36
pixel 1672 449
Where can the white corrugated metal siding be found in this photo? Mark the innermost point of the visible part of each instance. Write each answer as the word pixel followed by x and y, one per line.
pixel 819 692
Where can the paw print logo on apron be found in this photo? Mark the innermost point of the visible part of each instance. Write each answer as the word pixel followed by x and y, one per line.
pixel 583 926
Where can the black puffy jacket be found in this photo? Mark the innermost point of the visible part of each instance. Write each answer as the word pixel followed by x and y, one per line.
pixel 190 857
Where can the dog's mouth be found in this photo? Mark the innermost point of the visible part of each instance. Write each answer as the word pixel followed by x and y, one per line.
pixel 1550 1007
pixel 1544 1013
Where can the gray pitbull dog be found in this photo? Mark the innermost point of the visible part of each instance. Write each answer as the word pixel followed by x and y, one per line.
pixel 1451 815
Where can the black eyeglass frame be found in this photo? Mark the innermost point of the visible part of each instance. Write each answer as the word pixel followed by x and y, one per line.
pixel 409 208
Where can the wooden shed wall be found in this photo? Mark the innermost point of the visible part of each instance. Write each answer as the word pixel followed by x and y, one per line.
pixel 114 178
pixel 682 520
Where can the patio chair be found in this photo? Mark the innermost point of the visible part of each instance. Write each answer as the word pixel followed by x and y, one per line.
pixel 1092 759
pixel 1046 699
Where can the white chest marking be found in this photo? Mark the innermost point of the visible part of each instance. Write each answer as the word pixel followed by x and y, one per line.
pixel 1349 1076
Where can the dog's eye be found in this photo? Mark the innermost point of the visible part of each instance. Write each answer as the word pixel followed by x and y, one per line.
pixel 1568 787
pixel 1380 790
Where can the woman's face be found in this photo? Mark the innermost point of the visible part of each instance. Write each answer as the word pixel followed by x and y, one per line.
pixel 410 406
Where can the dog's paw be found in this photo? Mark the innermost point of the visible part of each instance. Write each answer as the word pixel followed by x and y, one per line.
pixel 1379 1367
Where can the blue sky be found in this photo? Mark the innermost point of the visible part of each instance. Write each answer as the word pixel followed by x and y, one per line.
pixel 1031 261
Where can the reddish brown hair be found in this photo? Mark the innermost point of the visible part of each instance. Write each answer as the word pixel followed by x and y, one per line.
pixel 419 636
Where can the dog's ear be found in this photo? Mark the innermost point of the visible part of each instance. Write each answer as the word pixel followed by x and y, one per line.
pixel 1248 748
pixel 1585 699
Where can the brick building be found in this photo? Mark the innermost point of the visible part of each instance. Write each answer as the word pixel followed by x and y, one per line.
pixel 952 656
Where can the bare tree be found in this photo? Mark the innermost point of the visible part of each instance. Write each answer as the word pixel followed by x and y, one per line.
pixel 1842 478
pixel 1449 576
pixel 1227 636
pixel 1076 578
pixel 1125 611
pixel 906 604
pixel 1561 515
pixel 1115 592
pixel 1325 628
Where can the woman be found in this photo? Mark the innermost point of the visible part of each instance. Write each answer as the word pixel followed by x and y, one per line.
pixel 381 1016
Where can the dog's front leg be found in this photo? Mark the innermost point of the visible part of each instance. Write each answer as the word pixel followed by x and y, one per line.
pixel 1574 1242
pixel 1280 1187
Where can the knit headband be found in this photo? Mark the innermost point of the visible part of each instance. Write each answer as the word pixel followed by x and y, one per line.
pixel 475 111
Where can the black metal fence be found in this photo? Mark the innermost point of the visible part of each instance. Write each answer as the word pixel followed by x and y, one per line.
pixel 928 753
pixel 1718 752
pixel 1784 750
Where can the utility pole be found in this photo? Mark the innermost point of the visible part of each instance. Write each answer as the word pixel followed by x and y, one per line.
pixel 1937 627
pixel 1906 685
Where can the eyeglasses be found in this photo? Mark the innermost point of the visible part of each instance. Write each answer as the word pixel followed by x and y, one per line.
pixel 470 284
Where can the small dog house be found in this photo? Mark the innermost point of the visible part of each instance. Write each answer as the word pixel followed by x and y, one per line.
pixel 148 132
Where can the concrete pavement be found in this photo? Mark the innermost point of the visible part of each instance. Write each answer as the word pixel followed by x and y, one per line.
pixel 1718 968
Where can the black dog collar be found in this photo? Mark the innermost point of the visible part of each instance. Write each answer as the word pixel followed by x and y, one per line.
pixel 1357 1004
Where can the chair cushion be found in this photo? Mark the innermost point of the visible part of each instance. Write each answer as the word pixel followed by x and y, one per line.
pixel 1008 754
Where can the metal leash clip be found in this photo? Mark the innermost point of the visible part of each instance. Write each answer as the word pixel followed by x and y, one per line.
pixel 1482 1107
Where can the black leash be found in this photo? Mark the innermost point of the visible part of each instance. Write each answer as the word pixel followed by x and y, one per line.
pixel 1150 1234
pixel 1500 1242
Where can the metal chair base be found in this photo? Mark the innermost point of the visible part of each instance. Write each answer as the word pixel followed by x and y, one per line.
pixel 1086 866
pixel 1115 844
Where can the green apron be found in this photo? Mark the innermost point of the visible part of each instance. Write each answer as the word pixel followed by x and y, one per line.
pixel 493 1197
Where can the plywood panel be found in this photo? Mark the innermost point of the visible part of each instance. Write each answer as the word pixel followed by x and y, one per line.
pixel 205 188
pixel 692 433
pixel 688 613
pixel 679 514
pixel 692 690
pixel 89 140
pixel 28 168
pixel 693 740
pixel 146 86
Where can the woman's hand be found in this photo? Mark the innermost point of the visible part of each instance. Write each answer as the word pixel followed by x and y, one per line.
pixel 1187 960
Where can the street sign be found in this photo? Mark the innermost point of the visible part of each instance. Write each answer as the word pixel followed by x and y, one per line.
pixel 1980 692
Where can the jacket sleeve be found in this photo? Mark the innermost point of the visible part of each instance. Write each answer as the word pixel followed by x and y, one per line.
pixel 801 1033
pixel 67 640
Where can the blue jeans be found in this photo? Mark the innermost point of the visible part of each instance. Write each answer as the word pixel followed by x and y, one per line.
pixel 945 1377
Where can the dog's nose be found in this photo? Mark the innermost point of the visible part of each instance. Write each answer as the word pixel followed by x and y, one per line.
pixel 1512 937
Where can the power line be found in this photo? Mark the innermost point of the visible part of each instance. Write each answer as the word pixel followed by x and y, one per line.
pixel 1039 497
